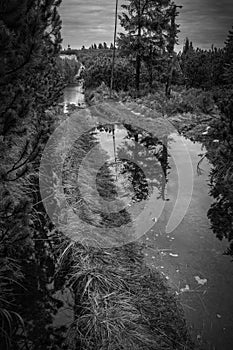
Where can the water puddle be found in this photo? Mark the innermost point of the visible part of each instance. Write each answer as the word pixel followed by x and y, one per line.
pixel 116 175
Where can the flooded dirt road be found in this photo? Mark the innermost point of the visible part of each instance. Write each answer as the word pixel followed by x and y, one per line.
pixel 190 257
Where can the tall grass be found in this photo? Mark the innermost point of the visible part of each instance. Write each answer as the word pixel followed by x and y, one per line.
pixel 120 303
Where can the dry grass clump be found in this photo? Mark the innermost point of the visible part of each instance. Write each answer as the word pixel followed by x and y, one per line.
pixel 120 303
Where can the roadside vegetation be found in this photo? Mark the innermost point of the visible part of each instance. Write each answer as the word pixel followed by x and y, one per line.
pixel 31 85
pixel 118 303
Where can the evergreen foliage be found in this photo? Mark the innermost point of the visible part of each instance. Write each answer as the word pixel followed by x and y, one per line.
pixel 68 69
pixel 221 156
pixel 148 32
pixel 98 70
pixel 228 59
pixel 202 68
pixel 30 84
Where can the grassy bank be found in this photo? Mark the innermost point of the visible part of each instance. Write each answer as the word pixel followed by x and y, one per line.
pixel 120 303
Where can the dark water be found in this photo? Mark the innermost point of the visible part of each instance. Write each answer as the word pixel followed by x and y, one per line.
pixel 190 257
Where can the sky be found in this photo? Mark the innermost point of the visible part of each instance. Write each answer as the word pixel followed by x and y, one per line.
pixel 204 22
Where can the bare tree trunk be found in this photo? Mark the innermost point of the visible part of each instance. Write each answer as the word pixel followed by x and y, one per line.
pixel 171 50
pixel 164 165
pixel 169 79
pixel 138 70
pixel 138 58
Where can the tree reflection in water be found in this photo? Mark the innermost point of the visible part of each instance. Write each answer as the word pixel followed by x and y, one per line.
pixel 135 165
pixel 134 151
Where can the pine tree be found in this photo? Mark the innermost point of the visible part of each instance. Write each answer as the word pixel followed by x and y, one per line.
pixel 144 22
pixel 172 40
pixel 30 83
pixel 228 59
pixel 202 68
pixel 221 156
pixel 229 47
pixel 188 47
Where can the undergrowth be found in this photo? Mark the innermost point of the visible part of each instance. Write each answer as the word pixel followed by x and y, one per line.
pixel 181 101
pixel 120 303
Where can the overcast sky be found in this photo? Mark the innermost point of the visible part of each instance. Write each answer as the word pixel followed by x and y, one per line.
pixel 205 22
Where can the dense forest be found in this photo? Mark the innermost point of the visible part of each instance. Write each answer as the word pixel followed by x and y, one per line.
pixel 113 292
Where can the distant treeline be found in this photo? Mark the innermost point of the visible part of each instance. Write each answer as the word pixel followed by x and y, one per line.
pixel 100 46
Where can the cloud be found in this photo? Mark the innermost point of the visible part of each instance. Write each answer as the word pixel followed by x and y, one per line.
pixel 86 22
pixel 205 22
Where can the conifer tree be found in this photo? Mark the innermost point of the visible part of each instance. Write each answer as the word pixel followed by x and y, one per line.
pixel 30 83
pixel 145 23
pixel 228 59
pixel 172 41
pixel 188 47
